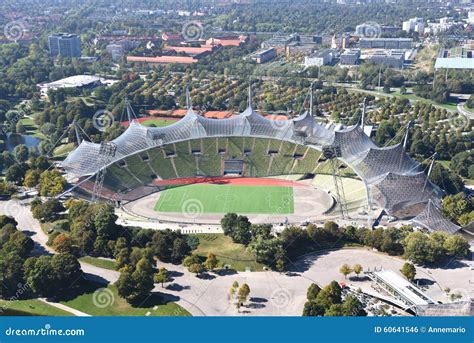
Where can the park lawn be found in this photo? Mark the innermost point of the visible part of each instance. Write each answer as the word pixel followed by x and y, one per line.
pixel 227 252
pixel 205 198
pixel 98 262
pixel 63 149
pixel 116 306
pixel 158 122
pixel 31 128
pixel 30 307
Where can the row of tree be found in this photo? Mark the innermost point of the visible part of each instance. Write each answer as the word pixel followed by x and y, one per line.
pixel 329 301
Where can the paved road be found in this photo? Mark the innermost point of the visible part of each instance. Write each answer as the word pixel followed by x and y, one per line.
pixel 65 308
pixel 464 112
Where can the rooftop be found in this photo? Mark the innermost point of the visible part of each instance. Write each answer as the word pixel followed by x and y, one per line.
pixel 73 81
pixel 454 63
pixel 162 59
pixel 405 288
pixel 190 49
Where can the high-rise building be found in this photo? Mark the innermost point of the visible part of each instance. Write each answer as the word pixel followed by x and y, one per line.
pixel 414 25
pixel 64 45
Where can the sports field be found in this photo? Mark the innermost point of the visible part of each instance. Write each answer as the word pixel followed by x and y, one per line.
pixel 208 198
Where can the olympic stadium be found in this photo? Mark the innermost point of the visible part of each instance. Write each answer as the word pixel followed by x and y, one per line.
pixel 197 169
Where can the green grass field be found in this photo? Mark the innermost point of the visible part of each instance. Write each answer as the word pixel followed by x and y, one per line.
pixel 227 252
pixel 31 307
pixel 98 262
pixel 158 122
pixel 227 198
pixel 113 305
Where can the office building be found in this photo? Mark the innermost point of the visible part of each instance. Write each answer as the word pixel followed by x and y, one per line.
pixel 385 43
pixel 64 45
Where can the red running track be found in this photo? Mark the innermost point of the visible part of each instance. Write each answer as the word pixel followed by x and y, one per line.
pixel 223 180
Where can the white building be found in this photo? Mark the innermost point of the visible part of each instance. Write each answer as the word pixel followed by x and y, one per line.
pixel 414 25
pixel 320 58
pixel 77 81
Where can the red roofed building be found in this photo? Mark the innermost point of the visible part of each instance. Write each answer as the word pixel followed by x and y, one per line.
pixel 227 40
pixel 191 50
pixel 217 114
pixel 171 38
pixel 162 59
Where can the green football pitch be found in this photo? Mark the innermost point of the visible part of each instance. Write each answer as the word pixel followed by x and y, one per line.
pixel 205 198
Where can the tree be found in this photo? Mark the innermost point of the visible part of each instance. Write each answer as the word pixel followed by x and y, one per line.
pixel 162 276
pixel 384 133
pixel 233 290
pixel 125 283
pixel 267 251
pixel 461 162
pixel 353 307
pixel 211 261
pixel 409 271
pixel 228 222
pixel 345 270
pixel 312 309
pixel 237 227
pixel 357 268
pixel 11 274
pixel 31 178
pixel 49 211
pixel 18 243
pixel 63 243
pixel 104 221
pixel 189 260
pixel 335 310
pixel 242 294
pixel 330 294
pixel 15 174
pixel 196 268
pixel 180 249
pixel 39 275
pixel 143 278
pixel 51 183
pixel 67 270
pixel 455 206
pixel 20 153
pixel 421 248
pixel 312 292
pixel 456 245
